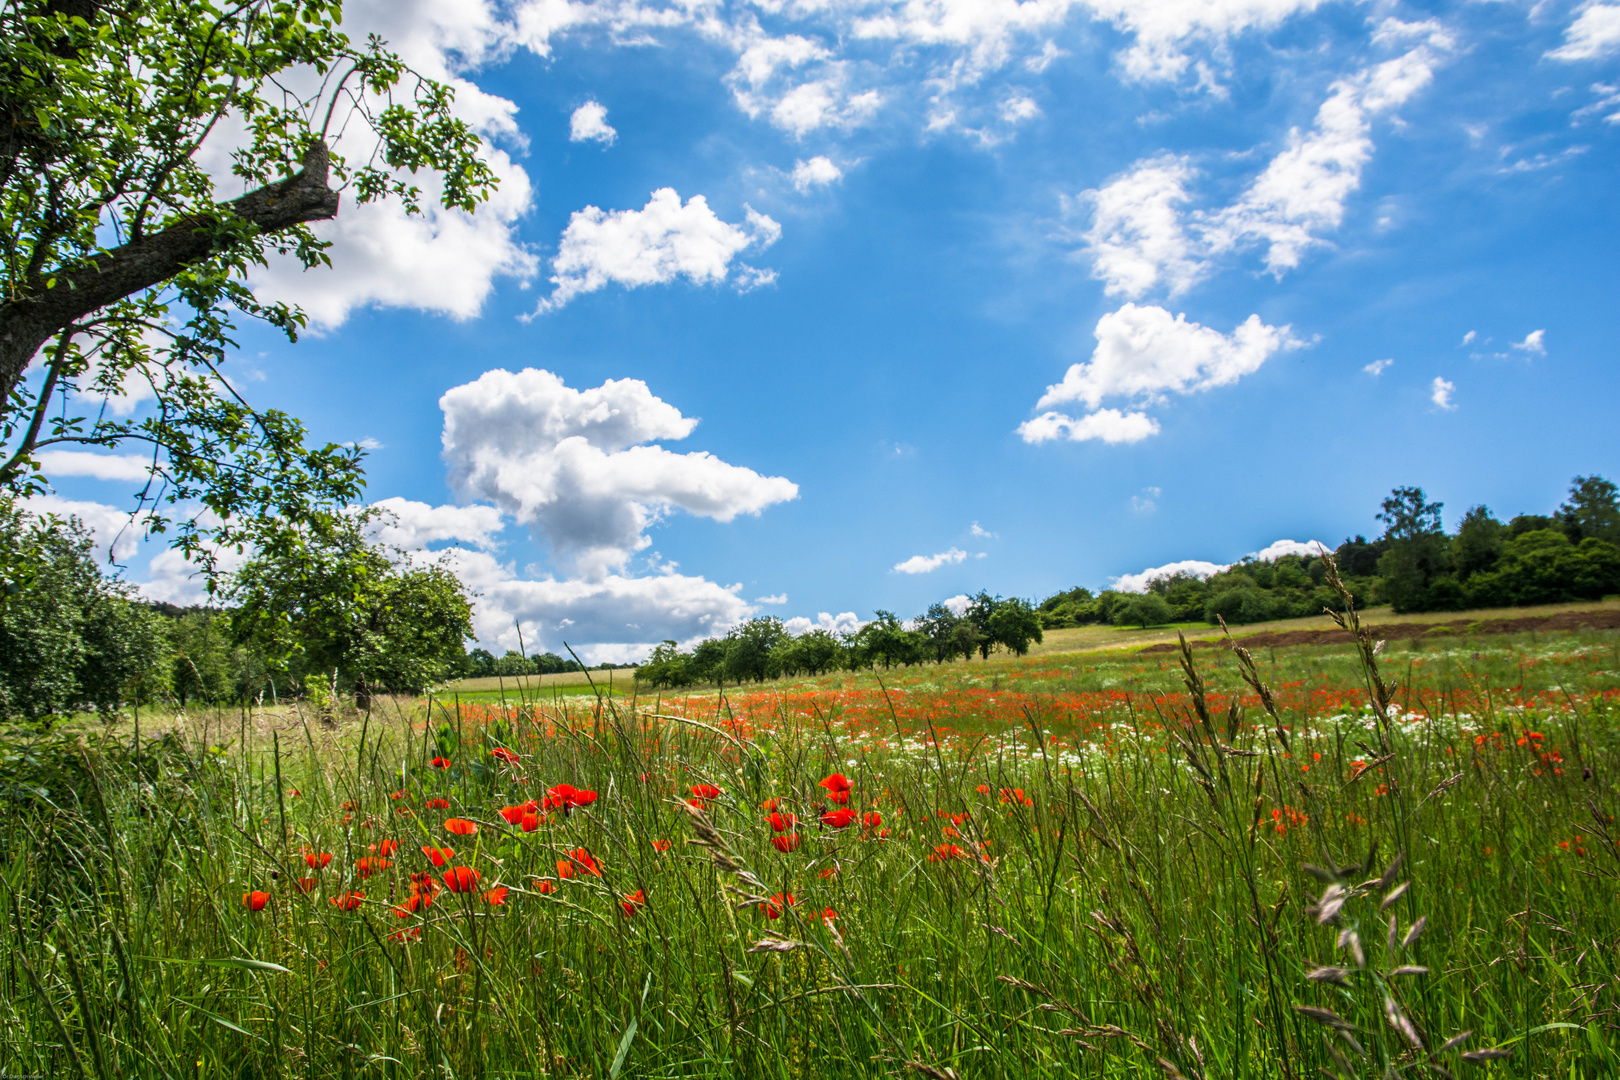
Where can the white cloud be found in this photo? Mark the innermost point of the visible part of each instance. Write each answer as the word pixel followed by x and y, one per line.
pixel 819 171
pixel 1377 367
pixel 957 605
pixel 844 623
pixel 779 598
pixel 588 123
pixel 656 244
pixel 574 464
pixel 1147 501
pixel 979 530
pixel 1200 568
pixel 1017 109
pixel 414 525
pixel 101 466
pixel 114 532
pixel 1108 425
pixel 1440 393
pixel 369 443
pixel 1144 352
pixel 1468 338
pixel 441 261
pixel 613 617
pixel 1534 343
pixel 1608 98
pixel 1143 236
pixel 1595 33
pixel 923 564
pixel 1137 239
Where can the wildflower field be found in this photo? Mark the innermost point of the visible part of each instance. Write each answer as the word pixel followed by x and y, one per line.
pixel 1344 861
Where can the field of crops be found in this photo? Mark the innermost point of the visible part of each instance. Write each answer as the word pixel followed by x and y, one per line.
pixel 1147 865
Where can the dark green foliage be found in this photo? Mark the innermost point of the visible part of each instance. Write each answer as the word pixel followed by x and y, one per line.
pixel 69 637
pixel 1147 609
pixel 319 598
pixel 1015 625
pixel 1477 543
pixel 1593 510
pixel 1543 567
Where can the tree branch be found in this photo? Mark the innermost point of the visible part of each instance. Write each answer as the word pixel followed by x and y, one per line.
pixel 27 324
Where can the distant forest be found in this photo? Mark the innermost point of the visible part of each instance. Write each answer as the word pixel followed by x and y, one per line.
pixel 1415 565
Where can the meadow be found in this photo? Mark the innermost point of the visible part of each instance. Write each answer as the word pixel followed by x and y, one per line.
pixel 1352 860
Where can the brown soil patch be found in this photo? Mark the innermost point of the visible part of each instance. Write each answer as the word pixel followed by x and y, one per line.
pixel 1461 626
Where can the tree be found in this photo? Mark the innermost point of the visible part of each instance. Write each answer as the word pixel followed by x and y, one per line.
pixel 938 625
pixel 811 653
pixel 68 635
pixel 1148 609
pixel 1593 510
pixel 202 661
pixel 1416 555
pixel 978 616
pixel 749 649
pixel 122 264
pixel 1543 567
pixel 319 597
pixel 1016 624
pixel 1477 544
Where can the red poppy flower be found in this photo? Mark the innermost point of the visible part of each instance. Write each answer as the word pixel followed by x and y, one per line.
pixel 787 843
pixel 385 847
pixel 412 904
pixel 503 754
pixel 306 884
pixel 317 860
pixel 770 804
pixel 1016 796
pixel 585 861
pixel 346 901
pixel 295 793
pixel 838 819
pixel 781 822
pixel 633 901
pixel 402 936
pixel 460 826
pixel 773 908
pixel 546 885
pixel 255 900
pixel 828 914
pixel 705 791
pixel 829 871
pixel 438 802
pixel 350 805
pixel 461 879
pixel 565 869
pixel 946 852
pixel 440 763
pixel 368 866
pixel 396 795
pixel 497 895
pixel 660 845
pixel 439 856
pixel 838 787
pixel 513 814
pixel 871 819
pixel 531 821
pixel 983 789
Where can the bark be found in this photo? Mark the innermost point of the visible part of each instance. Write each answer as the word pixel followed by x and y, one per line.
pixel 27 324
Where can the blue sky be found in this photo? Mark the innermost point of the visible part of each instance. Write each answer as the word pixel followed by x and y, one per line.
pixel 1019 296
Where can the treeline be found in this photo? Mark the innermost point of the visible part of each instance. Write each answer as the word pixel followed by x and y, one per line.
pixel 1415 565
pixel 762 648
pixel 481 663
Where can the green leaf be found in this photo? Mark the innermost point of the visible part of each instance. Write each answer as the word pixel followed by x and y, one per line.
pixel 624 1050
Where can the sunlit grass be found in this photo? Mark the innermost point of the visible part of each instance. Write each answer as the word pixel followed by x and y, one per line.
pixel 1069 873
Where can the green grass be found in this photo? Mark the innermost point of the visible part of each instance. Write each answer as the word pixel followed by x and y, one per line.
pixel 1146 899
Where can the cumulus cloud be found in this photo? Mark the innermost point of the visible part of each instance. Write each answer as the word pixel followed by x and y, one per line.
pixel 100 466
pixel 1145 353
pixel 1440 392
pixel 1594 34
pixel 612 617
pixel 844 623
pixel 1534 343
pixel 414 525
pixel 588 123
pixel 652 246
pixel 779 598
pixel 1200 568
pixel 442 261
pixel 116 533
pixel 575 465
pixel 1106 425
pixel 923 564
pixel 957 605
pixel 819 171
pixel 1377 367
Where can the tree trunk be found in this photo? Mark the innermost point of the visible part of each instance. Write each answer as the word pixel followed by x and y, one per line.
pixel 27 324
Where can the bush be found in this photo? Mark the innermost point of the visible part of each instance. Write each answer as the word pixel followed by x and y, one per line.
pixel 1148 609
